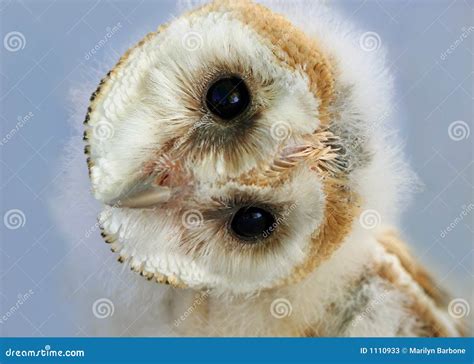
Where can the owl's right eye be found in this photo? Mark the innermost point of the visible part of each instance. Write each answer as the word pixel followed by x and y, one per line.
pixel 228 98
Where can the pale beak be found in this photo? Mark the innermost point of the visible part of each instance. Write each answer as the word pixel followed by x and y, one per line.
pixel 148 198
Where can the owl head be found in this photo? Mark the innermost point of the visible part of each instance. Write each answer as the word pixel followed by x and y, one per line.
pixel 232 148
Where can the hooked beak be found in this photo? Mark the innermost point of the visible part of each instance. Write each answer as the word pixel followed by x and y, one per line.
pixel 148 198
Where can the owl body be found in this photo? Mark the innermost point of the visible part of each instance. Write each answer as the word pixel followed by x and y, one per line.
pixel 364 290
pixel 243 156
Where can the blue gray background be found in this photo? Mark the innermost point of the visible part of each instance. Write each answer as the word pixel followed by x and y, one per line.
pixel 434 90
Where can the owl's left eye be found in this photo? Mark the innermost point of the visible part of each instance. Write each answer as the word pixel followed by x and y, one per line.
pixel 228 97
pixel 251 223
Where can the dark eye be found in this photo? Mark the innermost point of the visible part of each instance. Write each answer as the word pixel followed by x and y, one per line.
pixel 250 223
pixel 228 97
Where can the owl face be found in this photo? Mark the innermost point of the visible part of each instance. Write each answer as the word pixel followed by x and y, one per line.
pixel 208 145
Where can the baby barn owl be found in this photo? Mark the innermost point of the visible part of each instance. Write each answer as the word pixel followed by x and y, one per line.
pixel 242 156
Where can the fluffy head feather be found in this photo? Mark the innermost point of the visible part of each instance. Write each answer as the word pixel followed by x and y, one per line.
pixel 172 175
